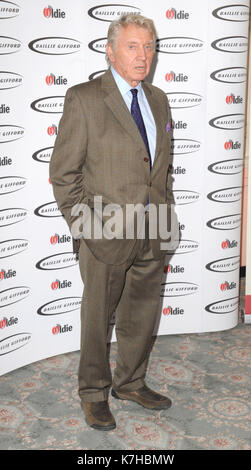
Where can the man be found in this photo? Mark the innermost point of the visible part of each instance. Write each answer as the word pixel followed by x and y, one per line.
pixel 115 142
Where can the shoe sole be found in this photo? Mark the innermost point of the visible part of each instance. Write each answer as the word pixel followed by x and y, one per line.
pixel 156 407
pixel 102 428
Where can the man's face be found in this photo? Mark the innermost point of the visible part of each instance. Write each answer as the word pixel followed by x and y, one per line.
pixel 133 53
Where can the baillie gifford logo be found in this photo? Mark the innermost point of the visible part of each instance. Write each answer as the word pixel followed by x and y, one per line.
pixel 49 12
pixel 173 14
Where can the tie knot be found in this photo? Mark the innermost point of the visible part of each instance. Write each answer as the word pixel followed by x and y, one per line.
pixel 134 92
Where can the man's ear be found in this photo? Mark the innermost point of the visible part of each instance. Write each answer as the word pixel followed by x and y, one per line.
pixel 109 52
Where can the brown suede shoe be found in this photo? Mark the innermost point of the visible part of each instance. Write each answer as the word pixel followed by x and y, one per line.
pixel 98 415
pixel 146 397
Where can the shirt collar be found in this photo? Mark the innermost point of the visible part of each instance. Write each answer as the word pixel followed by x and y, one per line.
pixel 122 84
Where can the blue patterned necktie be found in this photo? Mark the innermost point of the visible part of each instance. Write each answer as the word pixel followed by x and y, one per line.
pixel 137 116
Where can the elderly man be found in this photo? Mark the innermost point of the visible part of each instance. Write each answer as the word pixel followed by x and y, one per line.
pixel 114 141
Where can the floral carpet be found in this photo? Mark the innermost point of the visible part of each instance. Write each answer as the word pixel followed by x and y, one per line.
pixel 206 375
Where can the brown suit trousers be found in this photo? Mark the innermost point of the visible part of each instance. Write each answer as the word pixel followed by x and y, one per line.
pixel 133 290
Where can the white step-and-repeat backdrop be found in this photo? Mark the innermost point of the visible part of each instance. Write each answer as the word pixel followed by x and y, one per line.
pixel 201 65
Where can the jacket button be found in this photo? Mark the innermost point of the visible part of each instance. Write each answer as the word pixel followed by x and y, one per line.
pixel 146 159
pixel 150 184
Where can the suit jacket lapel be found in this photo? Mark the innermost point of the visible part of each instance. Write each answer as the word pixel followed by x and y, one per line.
pixel 157 117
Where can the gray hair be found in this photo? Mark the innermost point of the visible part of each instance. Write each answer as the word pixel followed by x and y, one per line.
pixel 124 21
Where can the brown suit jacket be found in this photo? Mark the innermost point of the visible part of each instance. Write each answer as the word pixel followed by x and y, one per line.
pixel 99 151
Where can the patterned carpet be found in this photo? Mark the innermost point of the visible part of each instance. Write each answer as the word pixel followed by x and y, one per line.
pixel 206 375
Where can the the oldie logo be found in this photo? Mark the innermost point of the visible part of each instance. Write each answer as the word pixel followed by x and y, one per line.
pixel 230 75
pixel 7 274
pixel 10 80
pixel 53 80
pixel 12 216
pixel 58 261
pixel 176 77
pixel 226 222
pixel 227 244
pixel 227 167
pixel 61 329
pixel 227 286
pixel 112 11
pixel 9 133
pixel 232 99
pixel 96 74
pixel 223 306
pixel 52 130
pixel 50 209
pixel 13 247
pixel 98 45
pixel 55 45
pixel 7 322
pixel 185 197
pixel 183 100
pixel 5 161
pixel 56 238
pixel 8 10
pixel 43 155
pixel 59 306
pixel 170 269
pixel 225 265
pixel 173 14
pixel 179 45
pixel 57 284
pixel 13 295
pixel 9 45
pixel 235 12
pixel 49 104
pixel 50 12
pixel 230 145
pixel 10 184
pixel 14 342
pixel 226 195
pixel 167 311
pixel 232 44
pixel 178 289
pixel 4 109
pixel 184 146
pixel 228 121
pixel 186 246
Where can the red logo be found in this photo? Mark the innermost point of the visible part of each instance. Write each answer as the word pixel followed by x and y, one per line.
pixel 3 323
pixel 230 99
pixel 169 76
pixel 167 310
pixel 55 284
pixel 56 330
pixel 228 145
pixel 223 286
pixel 170 14
pixel 47 12
pixel 52 130
pixel 54 239
pixel 225 244
pixel 50 79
